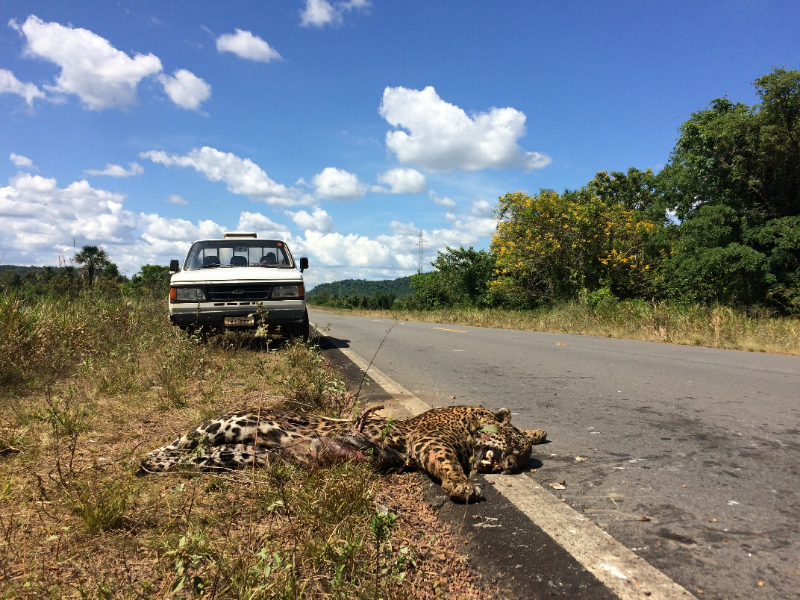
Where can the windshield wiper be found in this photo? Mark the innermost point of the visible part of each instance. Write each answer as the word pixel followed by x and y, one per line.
pixel 210 266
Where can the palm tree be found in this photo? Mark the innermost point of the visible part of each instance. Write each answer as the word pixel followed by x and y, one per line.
pixel 95 259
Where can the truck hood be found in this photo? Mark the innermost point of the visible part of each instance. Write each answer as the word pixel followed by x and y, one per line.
pixel 237 274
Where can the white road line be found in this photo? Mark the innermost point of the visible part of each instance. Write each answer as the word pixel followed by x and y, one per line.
pixel 623 572
pixel 408 402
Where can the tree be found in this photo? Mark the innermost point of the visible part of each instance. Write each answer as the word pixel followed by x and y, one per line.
pixel 152 278
pixel 551 247
pixel 734 182
pixel 634 190
pixel 94 260
pixel 10 280
pixel 461 278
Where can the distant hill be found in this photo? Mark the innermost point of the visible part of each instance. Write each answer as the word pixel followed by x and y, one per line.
pixel 401 288
pixel 20 270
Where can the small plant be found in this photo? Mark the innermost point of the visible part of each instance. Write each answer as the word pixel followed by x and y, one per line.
pixel 191 552
pixel 302 375
pixel 102 505
pixel 182 359
pixel 380 524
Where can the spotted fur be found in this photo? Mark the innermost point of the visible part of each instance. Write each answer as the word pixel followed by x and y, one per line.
pixel 445 442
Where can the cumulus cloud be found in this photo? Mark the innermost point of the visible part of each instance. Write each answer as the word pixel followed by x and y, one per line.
pixel 41 220
pixel 176 199
pixel 186 89
pixel 481 221
pixel 246 45
pixel 318 220
pixel 117 170
pixel 91 68
pixel 264 226
pixel 23 162
pixel 11 85
pixel 442 200
pixel 440 136
pixel 482 208
pixel 241 175
pixel 406 229
pixel 163 231
pixel 337 184
pixel 404 181
pixel 319 13
pixel 335 249
pixel 77 211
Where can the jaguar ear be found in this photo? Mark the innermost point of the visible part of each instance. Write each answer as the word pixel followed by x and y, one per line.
pixel 536 436
pixel 503 416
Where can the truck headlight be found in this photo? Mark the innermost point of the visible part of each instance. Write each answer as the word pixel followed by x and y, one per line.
pixel 289 291
pixel 186 294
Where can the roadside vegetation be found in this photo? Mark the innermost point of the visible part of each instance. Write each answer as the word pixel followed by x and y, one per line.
pixel 717 327
pixel 706 252
pixel 93 379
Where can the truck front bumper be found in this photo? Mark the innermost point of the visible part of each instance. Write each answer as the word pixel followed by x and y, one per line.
pixel 288 312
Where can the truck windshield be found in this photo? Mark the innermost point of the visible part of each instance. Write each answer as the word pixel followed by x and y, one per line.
pixel 239 253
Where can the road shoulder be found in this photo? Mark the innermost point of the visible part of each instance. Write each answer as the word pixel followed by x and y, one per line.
pixel 503 543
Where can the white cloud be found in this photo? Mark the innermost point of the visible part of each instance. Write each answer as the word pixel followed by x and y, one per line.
pixel 41 220
pixel 441 136
pixel 479 223
pixel 335 249
pixel 246 45
pixel 23 162
pixel 264 226
pixel 117 170
pixel 337 184
pixel 11 85
pixel 39 216
pixel 91 68
pixel 156 227
pixel 318 220
pixel 442 200
pixel 176 199
pixel 482 209
pixel 404 181
pixel 241 175
pixel 403 229
pixel 319 13
pixel 186 89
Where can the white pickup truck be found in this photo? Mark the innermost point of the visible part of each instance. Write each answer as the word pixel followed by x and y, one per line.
pixel 239 282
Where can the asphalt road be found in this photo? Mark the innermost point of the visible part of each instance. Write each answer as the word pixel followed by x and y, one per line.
pixel 688 456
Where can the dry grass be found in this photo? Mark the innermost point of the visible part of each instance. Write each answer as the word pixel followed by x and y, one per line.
pixel 713 327
pixel 91 385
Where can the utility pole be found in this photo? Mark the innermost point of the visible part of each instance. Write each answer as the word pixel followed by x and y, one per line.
pixel 421 243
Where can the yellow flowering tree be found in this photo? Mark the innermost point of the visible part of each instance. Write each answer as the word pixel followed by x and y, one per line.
pixel 552 246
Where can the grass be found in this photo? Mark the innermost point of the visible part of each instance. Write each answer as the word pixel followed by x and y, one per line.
pixel 90 385
pixel 713 327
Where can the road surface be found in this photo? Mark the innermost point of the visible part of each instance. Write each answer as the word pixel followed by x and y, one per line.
pixel 687 456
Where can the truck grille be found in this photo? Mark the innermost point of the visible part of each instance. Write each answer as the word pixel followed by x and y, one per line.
pixel 238 292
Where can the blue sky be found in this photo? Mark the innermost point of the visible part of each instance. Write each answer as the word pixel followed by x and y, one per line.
pixel 344 128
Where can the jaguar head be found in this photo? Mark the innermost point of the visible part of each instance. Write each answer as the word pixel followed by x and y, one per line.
pixel 500 447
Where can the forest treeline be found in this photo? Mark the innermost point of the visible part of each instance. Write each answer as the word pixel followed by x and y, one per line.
pixel 719 224
pixel 92 269
pixel 360 293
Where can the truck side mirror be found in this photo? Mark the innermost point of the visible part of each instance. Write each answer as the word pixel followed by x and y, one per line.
pixel 303 264
pixel 174 266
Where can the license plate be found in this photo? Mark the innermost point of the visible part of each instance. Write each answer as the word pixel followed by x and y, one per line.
pixel 239 321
